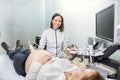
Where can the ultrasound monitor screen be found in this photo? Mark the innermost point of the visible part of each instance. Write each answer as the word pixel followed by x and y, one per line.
pixel 105 23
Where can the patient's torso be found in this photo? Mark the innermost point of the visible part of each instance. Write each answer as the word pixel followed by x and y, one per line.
pixel 54 69
pixel 36 55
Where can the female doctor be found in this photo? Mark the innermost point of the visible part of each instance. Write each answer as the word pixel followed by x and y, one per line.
pixel 54 38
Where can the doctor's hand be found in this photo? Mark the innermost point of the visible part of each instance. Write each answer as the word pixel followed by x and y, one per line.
pixel 74 49
pixel 69 50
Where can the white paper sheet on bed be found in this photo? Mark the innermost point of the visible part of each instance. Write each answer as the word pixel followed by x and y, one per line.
pixel 7 71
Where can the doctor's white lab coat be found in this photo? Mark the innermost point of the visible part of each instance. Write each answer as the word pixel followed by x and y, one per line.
pixel 55 41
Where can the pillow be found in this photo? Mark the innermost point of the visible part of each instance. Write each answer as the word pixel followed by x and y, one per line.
pixel 7 71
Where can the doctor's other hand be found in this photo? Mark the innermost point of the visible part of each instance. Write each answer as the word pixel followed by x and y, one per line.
pixel 69 50
pixel 74 49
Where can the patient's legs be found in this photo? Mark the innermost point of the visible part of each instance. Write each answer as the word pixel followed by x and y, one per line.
pixel 19 63
pixel 17 45
pixel 9 51
pixel 19 49
pixel 19 57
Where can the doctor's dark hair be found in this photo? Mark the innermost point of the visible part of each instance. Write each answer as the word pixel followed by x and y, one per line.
pixel 62 22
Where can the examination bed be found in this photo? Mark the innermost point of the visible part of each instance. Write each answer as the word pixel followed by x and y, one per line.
pixel 7 71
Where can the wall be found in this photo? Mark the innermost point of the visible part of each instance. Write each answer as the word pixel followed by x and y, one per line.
pixel 24 19
pixel 80 17
pixel 6 22
pixel 29 19
pixel 49 10
pixel 21 19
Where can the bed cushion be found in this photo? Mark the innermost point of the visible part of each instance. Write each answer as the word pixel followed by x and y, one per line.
pixel 7 71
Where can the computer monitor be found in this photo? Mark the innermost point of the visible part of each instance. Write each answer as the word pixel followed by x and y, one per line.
pixel 105 23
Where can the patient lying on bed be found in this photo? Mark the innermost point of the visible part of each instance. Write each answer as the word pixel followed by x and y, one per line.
pixel 39 65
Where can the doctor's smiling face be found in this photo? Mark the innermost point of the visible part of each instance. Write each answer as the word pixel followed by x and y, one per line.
pixel 57 22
